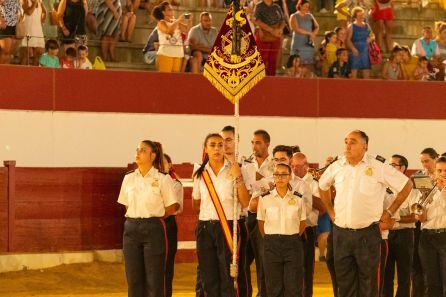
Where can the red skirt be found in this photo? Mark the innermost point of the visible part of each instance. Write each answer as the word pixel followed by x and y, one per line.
pixel 382 14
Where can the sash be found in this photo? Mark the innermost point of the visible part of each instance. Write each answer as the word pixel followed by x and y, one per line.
pixel 227 232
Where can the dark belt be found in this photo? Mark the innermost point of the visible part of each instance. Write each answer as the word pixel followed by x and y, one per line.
pixel 213 221
pixel 359 229
pixel 434 231
pixel 143 220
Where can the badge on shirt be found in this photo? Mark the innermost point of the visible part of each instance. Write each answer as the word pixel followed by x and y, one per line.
pixel 292 201
pixel 369 171
pixel 155 183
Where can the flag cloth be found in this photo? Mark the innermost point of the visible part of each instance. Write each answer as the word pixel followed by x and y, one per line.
pixel 230 74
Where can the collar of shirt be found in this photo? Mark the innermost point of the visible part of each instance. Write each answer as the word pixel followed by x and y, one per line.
pixel 226 165
pixel 365 159
pixel 152 172
pixel 265 163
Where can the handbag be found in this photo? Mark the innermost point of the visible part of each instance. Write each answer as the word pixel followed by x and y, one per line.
pixel 98 64
pixel 374 53
pixel 266 36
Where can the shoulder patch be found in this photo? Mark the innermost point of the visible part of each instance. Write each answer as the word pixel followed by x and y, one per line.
pixel 265 194
pixel 296 193
pixel 389 191
pixel 380 158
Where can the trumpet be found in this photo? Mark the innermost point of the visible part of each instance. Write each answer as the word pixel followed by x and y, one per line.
pixel 427 198
pixel 316 173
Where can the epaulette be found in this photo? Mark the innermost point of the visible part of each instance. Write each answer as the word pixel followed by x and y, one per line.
pixel 130 171
pixel 179 181
pixel 389 191
pixel 296 193
pixel 265 194
pixel 381 159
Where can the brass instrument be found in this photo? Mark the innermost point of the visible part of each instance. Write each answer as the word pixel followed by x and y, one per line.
pixel 425 199
pixel 316 173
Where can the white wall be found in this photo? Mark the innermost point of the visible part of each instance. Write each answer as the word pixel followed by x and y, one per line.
pixel 51 139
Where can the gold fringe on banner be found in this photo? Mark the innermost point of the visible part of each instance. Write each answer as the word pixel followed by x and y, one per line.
pixel 234 75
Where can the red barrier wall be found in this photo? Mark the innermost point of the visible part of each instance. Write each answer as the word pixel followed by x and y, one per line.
pixel 33 88
pixel 4 209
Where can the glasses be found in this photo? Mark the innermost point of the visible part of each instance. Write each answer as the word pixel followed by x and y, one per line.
pixel 395 165
pixel 280 160
pixel 280 175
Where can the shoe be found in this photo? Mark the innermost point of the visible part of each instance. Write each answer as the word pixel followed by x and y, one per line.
pixel 323 10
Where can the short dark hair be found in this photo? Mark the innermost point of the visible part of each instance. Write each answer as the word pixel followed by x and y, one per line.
pixel 295 149
pixel 443 154
pixel 285 165
pixel 363 135
pixel 442 159
pixel 431 152
pixel 340 50
pixel 71 52
pixel 403 161
pixel 284 148
pixel 228 129
pixel 158 11
pixel 82 48
pixel 51 44
pixel 264 135
pixel 291 59
pixel 423 59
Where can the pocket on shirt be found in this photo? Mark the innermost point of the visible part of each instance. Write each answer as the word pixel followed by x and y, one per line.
pixel 368 185
pixel 292 213
pixel 272 213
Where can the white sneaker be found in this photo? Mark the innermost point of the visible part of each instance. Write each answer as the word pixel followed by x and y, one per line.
pixel 323 10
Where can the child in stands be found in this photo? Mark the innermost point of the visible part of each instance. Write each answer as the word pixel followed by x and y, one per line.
pixel 82 61
pixel 422 71
pixel 340 68
pixel 67 62
pixel 49 58
pixel 329 57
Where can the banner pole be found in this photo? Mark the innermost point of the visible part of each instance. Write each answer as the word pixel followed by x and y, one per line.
pixel 234 266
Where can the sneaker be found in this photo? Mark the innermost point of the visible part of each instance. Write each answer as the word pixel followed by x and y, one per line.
pixel 323 10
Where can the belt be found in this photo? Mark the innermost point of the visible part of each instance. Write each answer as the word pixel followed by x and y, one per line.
pixel 213 221
pixel 141 220
pixel 358 229
pixel 434 231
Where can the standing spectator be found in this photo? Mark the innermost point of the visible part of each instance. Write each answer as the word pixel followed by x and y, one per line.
pixel 341 33
pixel 409 63
pixel 170 52
pixel 268 17
pixel 293 67
pixel 108 15
pixel 422 70
pixel 201 39
pixel 382 14
pixel 426 46
pixel 340 68
pixel 151 47
pixel 392 68
pixel 72 15
pixel 82 61
pixel 129 8
pixel 359 37
pixel 440 28
pixel 305 28
pixel 49 59
pixel 35 14
pixel 11 10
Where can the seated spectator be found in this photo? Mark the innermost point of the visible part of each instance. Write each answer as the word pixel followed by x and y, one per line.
pixel 392 68
pixel 329 56
pixel 340 68
pixel 49 59
pixel 440 28
pixel 33 47
pixel 201 39
pixel 151 48
pixel 293 67
pixel 422 70
pixel 67 62
pixel 426 46
pixel 128 20
pixel 408 64
pixel 82 61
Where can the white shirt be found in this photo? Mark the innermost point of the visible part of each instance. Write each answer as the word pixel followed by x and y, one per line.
pixel 308 187
pixel 179 194
pixel 281 215
pixel 436 212
pixel 404 209
pixel 224 186
pixel 266 170
pixel 389 198
pixel 360 190
pixel 147 196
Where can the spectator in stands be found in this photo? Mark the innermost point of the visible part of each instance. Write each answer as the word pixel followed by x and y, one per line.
pixel 108 16
pixel 269 19
pixel 305 29
pixel 340 68
pixel 294 68
pixel 33 47
pixel 170 52
pixel 382 14
pixel 11 13
pixel 440 28
pixel 392 68
pixel 341 33
pixel 359 37
pixel 201 39
pixel 128 21
pixel 409 63
pixel 72 15
pixel 82 61
pixel 422 70
pixel 151 48
pixel 329 53
pixel 67 62
pixel 426 46
pixel 49 59
pixel 288 7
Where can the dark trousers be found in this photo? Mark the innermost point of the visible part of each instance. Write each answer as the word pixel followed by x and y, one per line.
pixel 330 262
pixel 256 241
pixel 144 248
pixel 283 257
pixel 432 252
pixel 417 270
pixel 269 52
pixel 382 265
pixel 214 259
pixel 400 256
pixel 356 259
pixel 199 290
pixel 244 271
pixel 309 243
pixel 172 240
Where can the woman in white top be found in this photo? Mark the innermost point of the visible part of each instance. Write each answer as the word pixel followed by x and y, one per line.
pixel 213 244
pixel 35 14
pixel 170 51
pixel 432 248
pixel 148 196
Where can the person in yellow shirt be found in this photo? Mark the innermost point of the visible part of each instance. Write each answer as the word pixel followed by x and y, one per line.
pixel 409 64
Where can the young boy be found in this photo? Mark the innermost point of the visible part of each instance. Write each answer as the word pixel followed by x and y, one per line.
pixel 82 61
pixel 49 58
pixel 67 62
pixel 340 68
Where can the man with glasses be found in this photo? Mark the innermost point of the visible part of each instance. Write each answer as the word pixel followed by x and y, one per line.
pixel 360 181
pixel 400 240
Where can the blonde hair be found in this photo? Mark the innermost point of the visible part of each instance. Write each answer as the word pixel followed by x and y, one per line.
pixel 439 27
pixel 356 10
